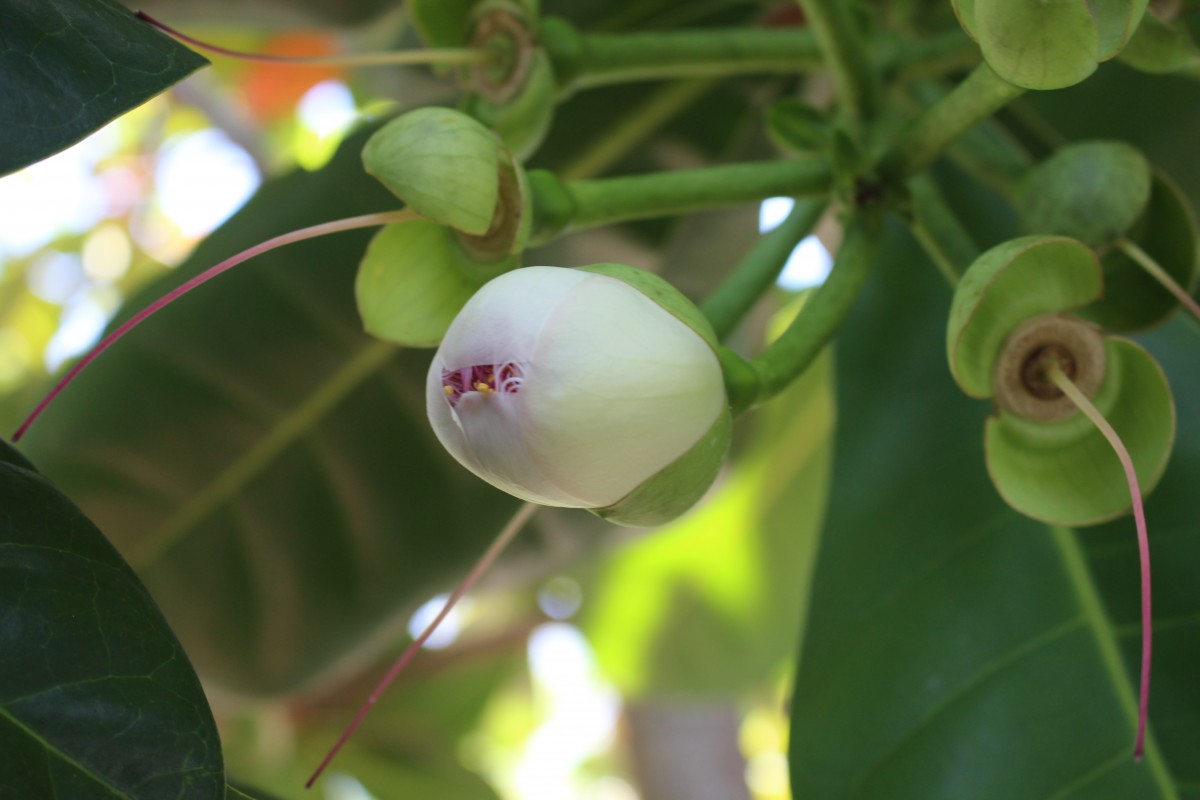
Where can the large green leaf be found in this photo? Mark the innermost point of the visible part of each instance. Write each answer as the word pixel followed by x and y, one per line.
pixel 97 698
pixel 67 67
pixel 954 648
pixel 252 447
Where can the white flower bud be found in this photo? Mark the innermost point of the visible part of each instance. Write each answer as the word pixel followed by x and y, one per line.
pixel 571 388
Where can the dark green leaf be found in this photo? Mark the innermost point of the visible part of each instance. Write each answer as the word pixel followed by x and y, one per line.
pixel 954 648
pixel 251 446
pixel 67 67
pixel 97 698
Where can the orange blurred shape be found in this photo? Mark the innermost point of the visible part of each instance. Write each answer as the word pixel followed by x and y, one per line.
pixel 272 90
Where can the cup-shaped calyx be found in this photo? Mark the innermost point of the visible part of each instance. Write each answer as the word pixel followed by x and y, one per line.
pixel 1048 45
pixel 1008 326
pixel 596 388
pixel 452 170
pixel 514 90
pixel 1107 195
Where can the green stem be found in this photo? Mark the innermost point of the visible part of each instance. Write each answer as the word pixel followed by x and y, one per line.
pixel 1147 262
pixel 789 355
pixel 971 102
pixel 988 151
pixel 838 39
pixel 664 194
pixel 938 229
pixel 598 59
pixel 757 272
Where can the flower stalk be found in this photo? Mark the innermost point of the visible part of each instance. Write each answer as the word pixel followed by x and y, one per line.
pixel 738 293
pixel 798 346
pixel 604 201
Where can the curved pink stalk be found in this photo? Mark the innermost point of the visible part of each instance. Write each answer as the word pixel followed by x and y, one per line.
pixel 351 223
pixel 424 56
pixel 1139 515
pixel 501 541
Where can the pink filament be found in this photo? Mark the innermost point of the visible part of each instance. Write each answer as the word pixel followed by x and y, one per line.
pixel 505 378
pixel 351 223
pixel 1139 515
pixel 501 541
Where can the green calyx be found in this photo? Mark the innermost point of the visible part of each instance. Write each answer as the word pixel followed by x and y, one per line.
pixel 442 164
pixel 679 485
pixel 452 170
pixel 414 279
pixel 1107 195
pixel 1049 45
pixel 1064 472
pixel 1012 282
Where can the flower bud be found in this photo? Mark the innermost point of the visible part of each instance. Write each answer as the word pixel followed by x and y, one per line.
pixel 596 388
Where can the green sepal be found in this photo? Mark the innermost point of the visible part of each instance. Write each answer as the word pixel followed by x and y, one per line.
pixel 1065 472
pixel 521 122
pixel 1014 281
pixel 1116 20
pixel 442 163
pixel 664 294
pixel 414 279
pixel 1161 47
pixel 1090 191
pixel 678 486
pixel 1035 44
pixel 1133 300
pixel 965 11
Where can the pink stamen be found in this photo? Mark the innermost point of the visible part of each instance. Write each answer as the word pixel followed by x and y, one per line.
pixel 493 552
pixel 351 223
pixel 425 56
pixel 1139 515
pixel 505 378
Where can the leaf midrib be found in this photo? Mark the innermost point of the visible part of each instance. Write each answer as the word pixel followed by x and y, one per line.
pixel 51 748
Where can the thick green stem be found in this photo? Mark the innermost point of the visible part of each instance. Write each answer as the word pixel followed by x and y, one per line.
pixel 599 59
pixel 845 55
pixel 971 102
pixel 665 194
pixel 987 151
pixel 792 353
pixel 932 56
pixel 757 272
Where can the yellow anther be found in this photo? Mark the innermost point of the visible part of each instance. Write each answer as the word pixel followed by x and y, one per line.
pixel 448 390
pixel 482 387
